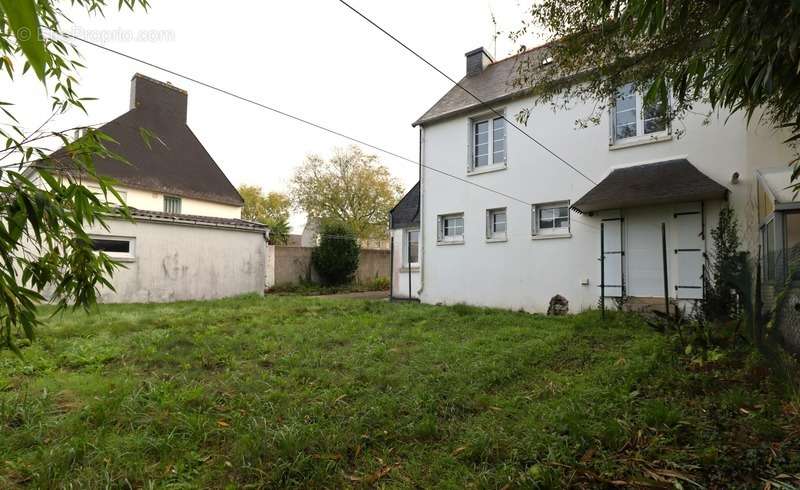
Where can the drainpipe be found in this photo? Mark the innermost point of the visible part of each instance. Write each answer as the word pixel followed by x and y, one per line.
pixel 421 214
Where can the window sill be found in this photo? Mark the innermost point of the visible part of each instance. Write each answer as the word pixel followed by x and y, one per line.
pixel 554 236
pixel 127 259
pixel 413 268
pixel 487 169
pixel 497 240
pixel 639 141
pixel 454 242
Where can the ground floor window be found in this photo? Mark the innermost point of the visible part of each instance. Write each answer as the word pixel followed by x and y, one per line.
pixel 496 224
pixel 411 248
pixel 116 247
pixel 551 218
pixel 451 228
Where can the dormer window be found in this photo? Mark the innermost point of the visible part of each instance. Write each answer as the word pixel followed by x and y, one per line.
pixel 488 143
pixel 632 118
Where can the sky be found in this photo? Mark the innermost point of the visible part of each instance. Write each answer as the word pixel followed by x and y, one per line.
pixel 312 58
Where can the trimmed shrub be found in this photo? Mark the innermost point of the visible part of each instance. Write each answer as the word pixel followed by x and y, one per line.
pixel 336 257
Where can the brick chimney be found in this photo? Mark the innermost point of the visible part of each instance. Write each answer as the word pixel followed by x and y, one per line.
pixel 164 98
pixel 477 61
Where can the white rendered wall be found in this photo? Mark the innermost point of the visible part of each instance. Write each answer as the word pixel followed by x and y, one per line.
pixel 524 273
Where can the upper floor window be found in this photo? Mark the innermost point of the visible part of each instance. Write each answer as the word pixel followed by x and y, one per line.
pixel 451 228
pixel 172 204
pixel 551 219
pixel 633 118
pixel 488 142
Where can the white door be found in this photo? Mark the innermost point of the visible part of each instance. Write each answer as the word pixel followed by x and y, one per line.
pixel 613 257
pixel 688 252
pixel 644 259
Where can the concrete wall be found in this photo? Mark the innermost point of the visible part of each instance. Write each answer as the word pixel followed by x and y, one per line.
pixel 524 272
pixel 292 265
pixel 175 262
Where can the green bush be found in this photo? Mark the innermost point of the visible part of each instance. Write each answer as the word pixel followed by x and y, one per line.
pixel 336 257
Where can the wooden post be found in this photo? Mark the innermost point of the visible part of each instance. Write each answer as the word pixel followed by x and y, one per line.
pixel 391 268
pixel 602 271
pixel 666 274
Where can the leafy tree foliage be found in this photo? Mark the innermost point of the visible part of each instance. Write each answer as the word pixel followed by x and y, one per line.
pixel 726 266
pixel 738 55
pixel 351 187
pixel 336 256
pixel 271 209
pixel 44 206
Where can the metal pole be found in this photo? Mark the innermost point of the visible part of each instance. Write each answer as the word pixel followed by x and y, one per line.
pixel 408 237
pixel 391 268
pixel 666 275
pixel 602 271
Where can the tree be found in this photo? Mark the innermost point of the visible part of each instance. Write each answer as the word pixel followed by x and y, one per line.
pixel 738 55
pixel 352 188
pixel 43 245
pixel 336 256
pixel 271 209
pixel 726 265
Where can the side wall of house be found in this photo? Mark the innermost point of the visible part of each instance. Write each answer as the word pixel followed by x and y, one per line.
pixel 525 272
pixel 176 263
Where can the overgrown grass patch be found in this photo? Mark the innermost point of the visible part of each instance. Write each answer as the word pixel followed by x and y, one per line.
pixel 301 392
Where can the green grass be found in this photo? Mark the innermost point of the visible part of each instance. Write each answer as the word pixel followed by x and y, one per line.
pixel 301 392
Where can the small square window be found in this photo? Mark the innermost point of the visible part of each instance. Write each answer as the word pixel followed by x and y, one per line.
pixel 551 219
pixel 451 228
pixel 172 204
pixel 496 224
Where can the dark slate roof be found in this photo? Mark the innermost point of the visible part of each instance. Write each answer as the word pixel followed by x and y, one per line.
pixel 655 183
pixel 190 219
pixel 493 85
pixel 406 212
pixel 180 166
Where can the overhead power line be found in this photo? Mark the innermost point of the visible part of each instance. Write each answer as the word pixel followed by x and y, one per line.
pixel 299 119
pixel 470 93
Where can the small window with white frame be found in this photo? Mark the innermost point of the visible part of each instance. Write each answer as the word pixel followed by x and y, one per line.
pixel 632 118
pixel 451 228
pixel 488 143
pixel 551 219
pixel 496 224
pixel 411 248
pixel 114 246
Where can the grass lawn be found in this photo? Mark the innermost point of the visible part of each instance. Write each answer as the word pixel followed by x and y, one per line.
pixel 301 392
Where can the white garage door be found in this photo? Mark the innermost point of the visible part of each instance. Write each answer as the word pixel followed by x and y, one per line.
pixel 689 255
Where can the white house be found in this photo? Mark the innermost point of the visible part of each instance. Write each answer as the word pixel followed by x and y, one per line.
pixel 542 232
pixel 187 240
pixel 404 225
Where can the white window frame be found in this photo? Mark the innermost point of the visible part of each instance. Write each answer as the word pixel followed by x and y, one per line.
pixel 449 239
pixel 180 204
pixel 120 256
pixel 640 136
pixel 406 240
pixel 472 167
pixel 492 235
pixel 562 231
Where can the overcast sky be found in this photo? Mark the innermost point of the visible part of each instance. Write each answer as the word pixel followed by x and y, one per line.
pixel 313 58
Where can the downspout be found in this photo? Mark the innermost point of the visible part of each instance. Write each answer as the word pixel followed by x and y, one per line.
pixel 421 214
